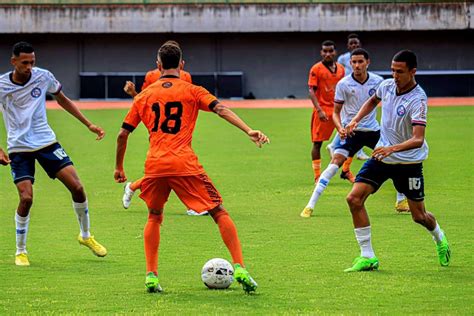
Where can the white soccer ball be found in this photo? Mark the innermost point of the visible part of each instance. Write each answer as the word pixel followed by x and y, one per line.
pixel 217 273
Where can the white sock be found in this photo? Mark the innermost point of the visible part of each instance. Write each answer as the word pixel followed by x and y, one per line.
pixel 437 233
pixel 21 224
pixel 363 236
pixel 82 212
pixel 323 182
pixel 400 196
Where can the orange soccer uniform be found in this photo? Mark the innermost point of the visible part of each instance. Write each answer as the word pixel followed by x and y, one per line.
pixel 169 110
pixel 153 75
pixel 322 78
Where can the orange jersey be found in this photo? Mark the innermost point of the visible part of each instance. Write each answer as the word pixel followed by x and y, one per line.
pixel 169 110
pixel 325 80
pixel 153 75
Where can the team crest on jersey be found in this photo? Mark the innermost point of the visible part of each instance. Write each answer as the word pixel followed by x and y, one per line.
pixel 36 92
pixel 371 92
pixel 167 84
pixel 401 110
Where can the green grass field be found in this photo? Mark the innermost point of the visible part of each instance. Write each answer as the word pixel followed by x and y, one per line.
pixel 297 262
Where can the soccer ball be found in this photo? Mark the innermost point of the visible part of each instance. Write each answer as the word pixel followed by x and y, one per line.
pixel 217 273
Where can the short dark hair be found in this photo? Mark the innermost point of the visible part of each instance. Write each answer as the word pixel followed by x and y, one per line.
pixel 360 51
pixel 171 42
pixel 352 35
pixel 169 55
pixel 406 56
pixel 328 43
pixel 22 47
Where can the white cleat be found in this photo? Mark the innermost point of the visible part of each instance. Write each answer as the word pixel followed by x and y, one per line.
pixel 361 155
pixel 194 213
pixel 127 195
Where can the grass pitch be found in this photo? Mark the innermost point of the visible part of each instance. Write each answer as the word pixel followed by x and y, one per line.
pixel 297 262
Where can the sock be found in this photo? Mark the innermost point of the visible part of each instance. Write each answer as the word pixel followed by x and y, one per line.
pixel 229 236
pixel 437 233
pixel 400 196
pixel 136 184
pixel 151 236
pixel 317 168
pixel 21 224
pixel 82 212
pixel 346 166
pixel 323 182
pixel 364 239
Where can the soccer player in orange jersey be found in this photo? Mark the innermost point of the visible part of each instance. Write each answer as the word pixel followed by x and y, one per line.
pixel 169 110
pixel 129 88
pixel 322 81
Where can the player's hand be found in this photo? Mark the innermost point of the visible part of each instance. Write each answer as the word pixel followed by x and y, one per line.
pixel 380 153
pixel 342 133
pixel 350 128
pixel 258 138
pixel 97 130
pixel 322 116
pixel 119 176
pixel 129 88
pixel 4 159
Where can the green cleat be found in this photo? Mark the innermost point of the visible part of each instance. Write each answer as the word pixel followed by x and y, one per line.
pixel 152 283
pixel 243 277
pixel 364 264
pixel 444 253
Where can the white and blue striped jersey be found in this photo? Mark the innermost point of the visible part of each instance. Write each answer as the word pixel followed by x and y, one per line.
pixel 345 60
pixel 24 110
pixel 352 94
pixel 399 113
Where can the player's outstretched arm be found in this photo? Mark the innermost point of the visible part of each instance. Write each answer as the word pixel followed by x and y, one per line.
pixel 122 139
pixel 227 114
pixel 4 159
pixel 366 108
pixel 70 107
pixel 130 89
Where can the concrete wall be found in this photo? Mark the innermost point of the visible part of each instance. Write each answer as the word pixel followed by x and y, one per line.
pixel 275 65
pixel 190 18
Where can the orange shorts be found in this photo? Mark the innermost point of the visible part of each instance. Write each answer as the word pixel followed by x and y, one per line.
pixel 196 192
pixel 321 131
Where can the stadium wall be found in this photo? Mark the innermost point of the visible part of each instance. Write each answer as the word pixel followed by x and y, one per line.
pixel 275 64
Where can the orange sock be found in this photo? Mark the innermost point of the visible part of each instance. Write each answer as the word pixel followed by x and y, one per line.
pixel 229 235
pixel 317 168
pixel 136 184
pixel 346 166
pixel 151 235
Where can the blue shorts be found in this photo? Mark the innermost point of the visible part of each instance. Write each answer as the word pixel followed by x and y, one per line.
pixel 51 158
pixel 407 178
pixel 351 145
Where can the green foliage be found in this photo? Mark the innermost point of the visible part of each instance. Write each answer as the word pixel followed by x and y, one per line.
pixel 297 262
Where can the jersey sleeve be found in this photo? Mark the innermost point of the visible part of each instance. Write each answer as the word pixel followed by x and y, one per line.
pixel 313 77
pixel 205 99
pixel 133 118
pixel 380 90
pixel 339 96
pixel 418 112
pixel 54 85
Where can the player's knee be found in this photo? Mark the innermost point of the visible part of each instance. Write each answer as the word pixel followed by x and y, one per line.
pixel 156 217
pixel 354 200
pixel 218 212
pixel 26 199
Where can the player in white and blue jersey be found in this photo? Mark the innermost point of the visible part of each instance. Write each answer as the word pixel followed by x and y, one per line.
pixel 30 138
pixel 351 93
pixel 398 155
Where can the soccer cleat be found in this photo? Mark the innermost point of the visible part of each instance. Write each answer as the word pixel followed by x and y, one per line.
pixel 93 245
pixel 402 206
pixel 127 195
pixel 347 175
pixel 444 252
pixel 361 155
pixel 152 284
pixel 363 264
pixel 21 260
pixel 306 213
pixel 194 213
pixel 330 150
pixel 242 276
